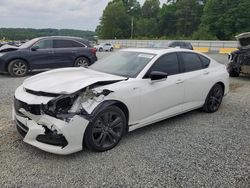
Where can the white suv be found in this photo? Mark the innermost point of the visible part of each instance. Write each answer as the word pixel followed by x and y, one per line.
pixel 104 47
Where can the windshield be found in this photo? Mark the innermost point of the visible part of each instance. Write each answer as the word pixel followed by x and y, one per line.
pixel 123 63
pixel 29 43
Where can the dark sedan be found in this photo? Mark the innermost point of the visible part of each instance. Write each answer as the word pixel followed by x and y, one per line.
pixel 46 53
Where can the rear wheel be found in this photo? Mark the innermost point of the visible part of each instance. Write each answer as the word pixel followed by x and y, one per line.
pixel 100 49
pixel 214 99
pixel 111 49
pixel 81 62
pixel 106 130
pixel 18 68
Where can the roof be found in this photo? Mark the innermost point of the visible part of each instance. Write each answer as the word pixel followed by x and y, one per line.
pixel 157 51
pixel 67 37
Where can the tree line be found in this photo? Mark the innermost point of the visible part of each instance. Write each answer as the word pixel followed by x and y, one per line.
pixel 23 33
pixel 175 19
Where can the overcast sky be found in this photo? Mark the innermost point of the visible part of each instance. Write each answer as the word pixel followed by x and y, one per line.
pixel 70 14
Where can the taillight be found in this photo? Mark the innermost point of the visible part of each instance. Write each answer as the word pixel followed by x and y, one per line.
pixel 93 50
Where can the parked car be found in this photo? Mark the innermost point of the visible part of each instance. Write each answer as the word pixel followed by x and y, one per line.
pixel 46 53
pixel 104 47
pixel 60 110
pixel 2 43
pixel 239 60
pixel 174 44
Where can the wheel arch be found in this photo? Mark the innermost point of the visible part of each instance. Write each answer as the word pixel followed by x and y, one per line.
pixel 82 56
pixel 222 85
pixel 116 103
pixel 12 59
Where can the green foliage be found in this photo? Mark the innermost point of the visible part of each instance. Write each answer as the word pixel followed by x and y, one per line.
pixel 115 21
pixel 188 15
pixel 176 19
pixel 150 8
pixel 224 18
pixel 23 33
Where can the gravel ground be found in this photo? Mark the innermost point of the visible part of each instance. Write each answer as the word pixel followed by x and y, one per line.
pixel 195 149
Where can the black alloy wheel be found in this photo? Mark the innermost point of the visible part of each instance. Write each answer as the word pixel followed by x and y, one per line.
pixel 214 99
pixel 106 130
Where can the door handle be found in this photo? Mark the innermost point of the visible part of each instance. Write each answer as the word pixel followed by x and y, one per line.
pixel 50 52
pixel 179 81
pixel 74 51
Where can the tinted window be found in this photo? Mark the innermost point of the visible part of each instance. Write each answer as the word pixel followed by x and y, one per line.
pixel 76 44
pixel 174 44
pixel 44 44
pixel 191 62
pixel 183 44
pixel 205 61
pixel 66 44
pixel 167 63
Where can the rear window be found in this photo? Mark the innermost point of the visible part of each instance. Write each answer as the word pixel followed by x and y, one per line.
pixel 205 61
pixel 66 44
pixel 191 61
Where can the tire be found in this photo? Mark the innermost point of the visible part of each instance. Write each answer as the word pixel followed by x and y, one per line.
pixel 102 133
pixel 81 62
pixel 100 49
pixel 214 99
pixel 233 73
pixel 111 49
pixel 18 68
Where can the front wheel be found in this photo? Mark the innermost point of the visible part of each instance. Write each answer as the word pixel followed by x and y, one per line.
pixel 111 49
pixel 81 62
pixel 18 68
pixel 214 99
pixel 234 73
pixel 106 130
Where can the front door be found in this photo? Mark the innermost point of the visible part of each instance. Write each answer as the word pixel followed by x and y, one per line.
pixel 162 98
pixel 41 55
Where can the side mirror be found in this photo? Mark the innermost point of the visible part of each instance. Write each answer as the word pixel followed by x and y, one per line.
pixel 34 48
pixel 157 75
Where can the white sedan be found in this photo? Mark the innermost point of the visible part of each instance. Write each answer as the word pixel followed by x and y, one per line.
pixel 61 110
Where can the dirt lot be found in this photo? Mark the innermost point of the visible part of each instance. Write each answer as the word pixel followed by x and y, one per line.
pixel 192 150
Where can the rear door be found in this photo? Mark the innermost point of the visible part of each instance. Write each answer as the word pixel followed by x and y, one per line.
pixel 196 78
pixel 66 51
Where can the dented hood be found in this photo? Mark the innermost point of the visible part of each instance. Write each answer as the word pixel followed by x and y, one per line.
pixel 244 40
pixel 8 48
pixel 67 80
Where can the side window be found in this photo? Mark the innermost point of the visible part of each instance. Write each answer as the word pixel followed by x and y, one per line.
pixel 174 44
pixel 44 44
pixel 167 63
pixel 191 61
pixel 60 43
pixel 205 61
pixel 76 44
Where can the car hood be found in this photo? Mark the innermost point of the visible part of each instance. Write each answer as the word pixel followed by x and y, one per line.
pixel 8 48
pixel 244 40
pixel 67 80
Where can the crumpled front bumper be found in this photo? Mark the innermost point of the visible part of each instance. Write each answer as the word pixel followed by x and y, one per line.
pixel 72 131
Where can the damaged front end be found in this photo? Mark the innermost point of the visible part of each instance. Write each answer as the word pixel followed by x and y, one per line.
pixel 239 60
pixel 56 123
